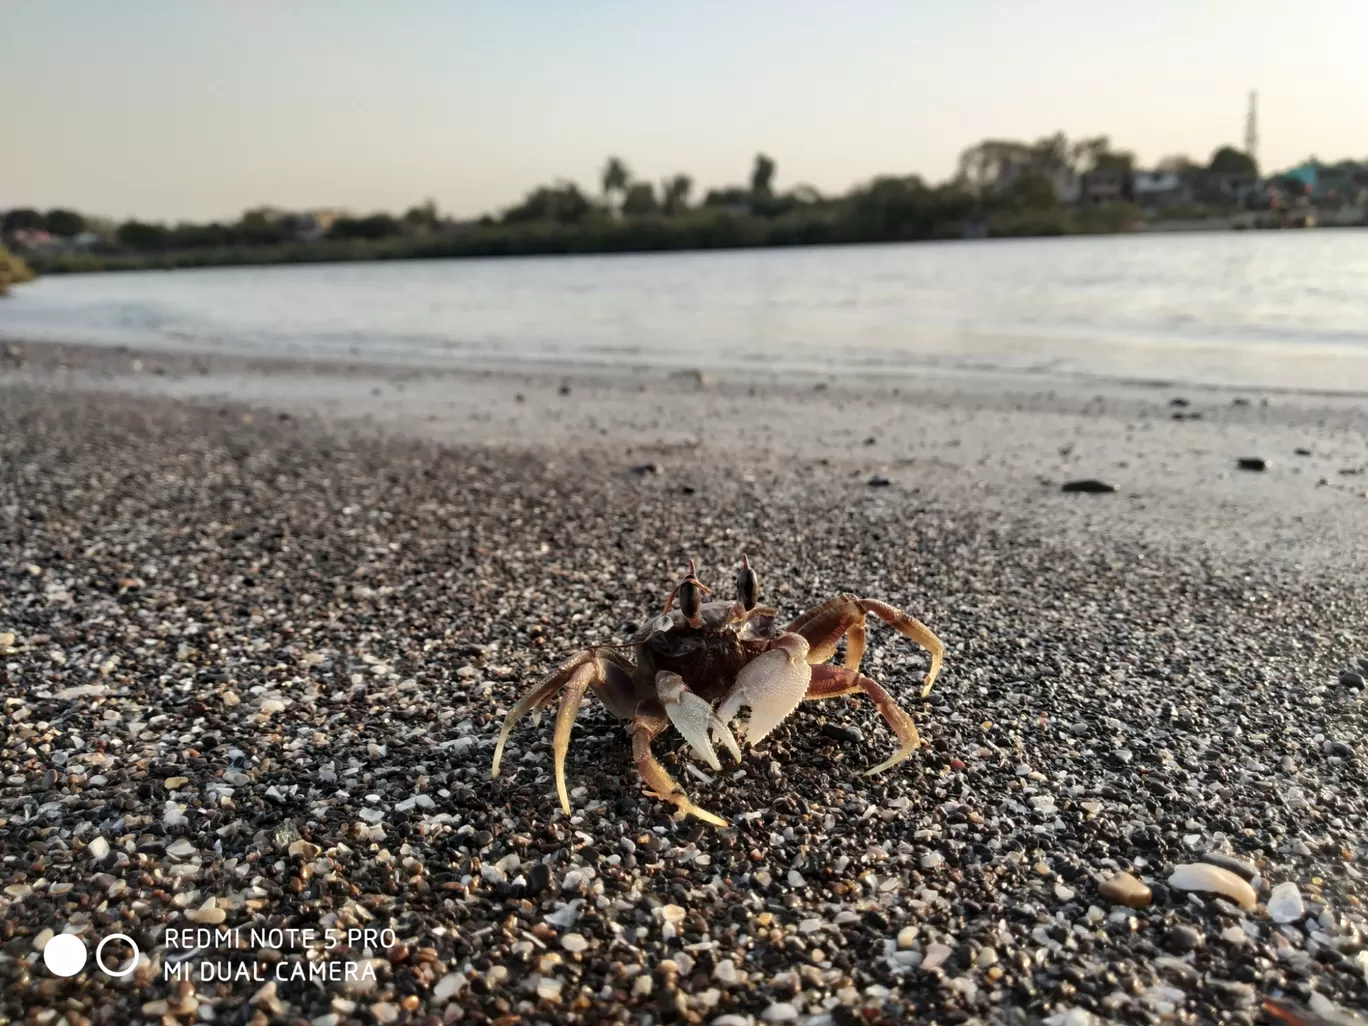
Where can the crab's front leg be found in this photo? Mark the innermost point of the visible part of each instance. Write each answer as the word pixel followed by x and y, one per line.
pixel 772 684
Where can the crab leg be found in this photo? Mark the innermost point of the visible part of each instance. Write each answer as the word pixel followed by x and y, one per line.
pixel 583 675
pixel 834 681
pixel 825 625
pixel 651 720
pixel 537 698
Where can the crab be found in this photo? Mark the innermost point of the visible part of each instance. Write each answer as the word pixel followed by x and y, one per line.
pixel 697 652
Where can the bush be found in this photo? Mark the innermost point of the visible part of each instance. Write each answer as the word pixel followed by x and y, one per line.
pixel 12 270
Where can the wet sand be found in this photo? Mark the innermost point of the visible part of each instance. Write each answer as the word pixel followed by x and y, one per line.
pixel 267 619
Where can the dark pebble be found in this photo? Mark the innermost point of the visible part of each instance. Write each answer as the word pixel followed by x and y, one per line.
pixel 1183 938
pixel 1090 485
pixel 1350 679
pixel 1252 463
pixel 840 733
pixel 1302 452
pixel 879 481
pixel 643 469
pixel 538 878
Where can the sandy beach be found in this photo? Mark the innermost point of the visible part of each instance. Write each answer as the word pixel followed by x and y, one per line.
pixel 261 622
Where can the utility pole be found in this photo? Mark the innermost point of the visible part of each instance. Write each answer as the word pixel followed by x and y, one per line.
pixel 1252 128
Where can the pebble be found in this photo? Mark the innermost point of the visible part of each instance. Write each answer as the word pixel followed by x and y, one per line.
pixel 839 732
pixel 1088 485
pixel 98 848
pixel 936 954
pixel 1350 679
pixel 1208 879
pixel 1183 938
pixel 1252 463
pixel 907 938
pixel 1124 889
pixel 1239 867
pixel 574 942
pixel 780 1011
pixel 1285 903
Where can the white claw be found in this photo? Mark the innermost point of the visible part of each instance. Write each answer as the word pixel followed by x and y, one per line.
pixel 772 684
pixel 692 717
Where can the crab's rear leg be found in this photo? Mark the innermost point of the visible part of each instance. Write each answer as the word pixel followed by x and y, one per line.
pixel 572 679
pixel 834 681
pixel 844 616
pixel 650 720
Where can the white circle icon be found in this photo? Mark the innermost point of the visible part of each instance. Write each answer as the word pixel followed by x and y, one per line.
pixel 132 962
pixel 65 955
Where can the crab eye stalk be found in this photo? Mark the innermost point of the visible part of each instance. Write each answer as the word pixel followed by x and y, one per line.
pixel 689 594
pixel 747 585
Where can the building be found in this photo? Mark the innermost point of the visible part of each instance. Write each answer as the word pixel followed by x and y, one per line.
pixel 1105 185
pixel 1159 190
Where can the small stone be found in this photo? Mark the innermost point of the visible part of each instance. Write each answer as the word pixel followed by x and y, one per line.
pixel 907 937
pixel 305 849
pixel 538 878
pixel 1183 938
pixel 1252 463
pixel 1088 485
pixel 180 849
pixel 574 942
pixel 385 1012
pixel 98 848
pixel 642 986
pixel 41 941
pixel 936 954
pixel 1064 893
pixel 1237 866
pixel 448 986
pixel 549 988
pixel 838 732
pixel 672 914
pixel 932 860
pixel 1350 679
pixel 1285 903
pixel 176 783
pixel 208 914
pixel 877 481
pixel 780 1011
pixel 1124 889
pixel 1204 878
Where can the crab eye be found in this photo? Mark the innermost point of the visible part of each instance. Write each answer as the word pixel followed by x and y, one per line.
pixel 690 599
pixel 747 585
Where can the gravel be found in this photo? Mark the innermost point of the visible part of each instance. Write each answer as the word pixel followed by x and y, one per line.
pixel 257 666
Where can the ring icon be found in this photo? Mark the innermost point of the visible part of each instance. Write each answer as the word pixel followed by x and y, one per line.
pixel 133 962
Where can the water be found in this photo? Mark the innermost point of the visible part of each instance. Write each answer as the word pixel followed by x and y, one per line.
pixel 1263 309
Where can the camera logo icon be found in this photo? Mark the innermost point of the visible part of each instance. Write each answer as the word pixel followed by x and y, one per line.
pixel 65 955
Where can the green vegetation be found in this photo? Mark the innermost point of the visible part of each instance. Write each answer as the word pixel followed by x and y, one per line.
pixel 1002 188
pixel 13 270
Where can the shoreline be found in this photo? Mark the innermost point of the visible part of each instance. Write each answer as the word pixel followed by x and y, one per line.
pixel 997 441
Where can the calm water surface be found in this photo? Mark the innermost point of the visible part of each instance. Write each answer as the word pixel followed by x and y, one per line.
pixel 1272 309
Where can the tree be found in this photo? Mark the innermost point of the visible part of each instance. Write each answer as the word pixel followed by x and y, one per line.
pixel 424 215
pixel 1178 163
pixel 22 219
pixel 562 202
pixel 639 199
pixel 762 175
pixel 142 236
pixel 615 177
pixel 65 223
pixel 674 193
pixel 376 226
pixel 1228 160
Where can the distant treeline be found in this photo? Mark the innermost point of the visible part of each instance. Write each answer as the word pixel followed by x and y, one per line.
pixel 1001 189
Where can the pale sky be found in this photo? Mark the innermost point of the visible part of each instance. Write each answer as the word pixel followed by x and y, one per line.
pixel 194 110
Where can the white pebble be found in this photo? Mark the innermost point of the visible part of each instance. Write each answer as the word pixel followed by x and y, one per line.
pixel 574 942
pixel 98 848
pixel 1285 903
pixel 932 860
pixel 936 954
pixel 907 937
pixel 1208 879
pixel 780 1011
pixel 672 914
pixel 448 985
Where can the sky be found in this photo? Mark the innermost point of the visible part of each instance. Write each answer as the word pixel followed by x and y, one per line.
pixel 176 110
